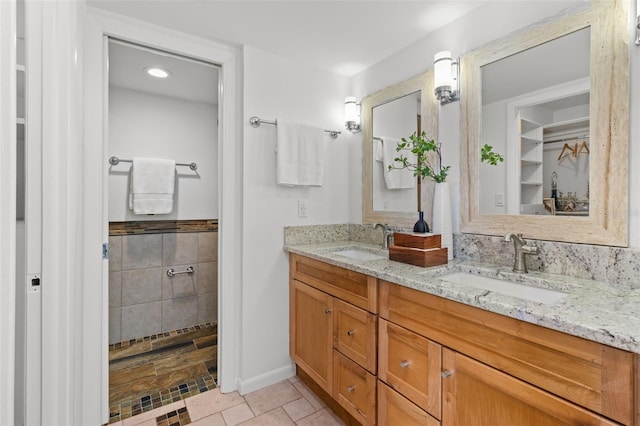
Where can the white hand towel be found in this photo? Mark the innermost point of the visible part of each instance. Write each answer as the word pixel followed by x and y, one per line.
pixel 152 185
pixel 396 178
pixel 300 154
pixel 377 150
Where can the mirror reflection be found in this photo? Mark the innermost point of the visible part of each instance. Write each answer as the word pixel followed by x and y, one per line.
pixel 535 110
pixel 392 121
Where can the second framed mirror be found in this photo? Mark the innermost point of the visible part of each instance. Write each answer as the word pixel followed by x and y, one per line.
pixel 389 115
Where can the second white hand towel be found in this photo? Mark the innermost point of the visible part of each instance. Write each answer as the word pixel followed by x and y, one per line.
pixel 152 185
pixel 300 154
pixel 396 178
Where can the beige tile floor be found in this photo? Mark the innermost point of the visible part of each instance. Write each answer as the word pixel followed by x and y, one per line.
pixel 289 402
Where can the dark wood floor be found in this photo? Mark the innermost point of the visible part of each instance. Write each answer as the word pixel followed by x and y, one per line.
pixel 157 370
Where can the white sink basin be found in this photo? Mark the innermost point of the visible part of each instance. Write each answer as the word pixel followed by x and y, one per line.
pixel 358 254
pixel 508 288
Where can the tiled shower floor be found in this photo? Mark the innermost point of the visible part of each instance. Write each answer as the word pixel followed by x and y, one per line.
pixel 158 370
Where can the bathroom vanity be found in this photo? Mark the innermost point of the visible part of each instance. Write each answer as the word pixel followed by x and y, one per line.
pixel 392 344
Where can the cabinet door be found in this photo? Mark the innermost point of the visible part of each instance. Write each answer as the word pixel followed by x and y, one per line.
pixel 411 364
pixel 311 331
pixel 394 409
pixel 478 395
pixel 355 389
pixel 355 334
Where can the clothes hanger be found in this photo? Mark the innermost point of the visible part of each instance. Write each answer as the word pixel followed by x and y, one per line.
pixel 569 151
pixel 583 147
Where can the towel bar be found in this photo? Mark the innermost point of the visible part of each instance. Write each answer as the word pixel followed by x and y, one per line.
pixel 114 161
pixel 256 121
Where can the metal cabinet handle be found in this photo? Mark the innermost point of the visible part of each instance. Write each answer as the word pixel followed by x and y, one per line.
pixel 446 374
pixel 350 389
pixel 405 364
pixel 327 310
pixel 351 332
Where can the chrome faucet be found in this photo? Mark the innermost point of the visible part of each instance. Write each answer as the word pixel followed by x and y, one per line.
pixel 519 264
pixel 386 234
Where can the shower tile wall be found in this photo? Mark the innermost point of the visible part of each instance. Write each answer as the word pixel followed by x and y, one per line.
pixel 143 300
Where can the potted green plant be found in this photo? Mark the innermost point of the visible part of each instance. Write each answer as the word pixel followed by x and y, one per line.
pixel 426 162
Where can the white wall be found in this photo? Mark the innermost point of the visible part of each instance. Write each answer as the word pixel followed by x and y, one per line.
pixel 480 26
pixel 146 125
pixel 277 88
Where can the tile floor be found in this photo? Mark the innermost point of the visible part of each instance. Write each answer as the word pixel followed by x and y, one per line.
pixel 158 370
pixel 289 402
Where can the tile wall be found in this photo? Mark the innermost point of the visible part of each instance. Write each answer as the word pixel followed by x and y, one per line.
pixel 143 300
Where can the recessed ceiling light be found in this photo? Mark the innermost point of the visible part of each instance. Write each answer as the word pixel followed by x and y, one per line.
pixel 157 72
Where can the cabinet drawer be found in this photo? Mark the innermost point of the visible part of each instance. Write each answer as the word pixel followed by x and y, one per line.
pixel 587 373
pixel 394 410
pixel 354 334
pixel 411 364
pixel 353 287
pixel 354 388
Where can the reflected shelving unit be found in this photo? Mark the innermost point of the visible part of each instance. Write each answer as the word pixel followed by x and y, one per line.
pixel 531 151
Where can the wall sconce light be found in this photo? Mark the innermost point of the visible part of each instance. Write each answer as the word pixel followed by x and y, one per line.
pixel 446 77
pixel 351 114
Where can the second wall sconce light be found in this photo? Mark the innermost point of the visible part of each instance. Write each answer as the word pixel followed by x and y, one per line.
pixel 351 114
pixel 446 77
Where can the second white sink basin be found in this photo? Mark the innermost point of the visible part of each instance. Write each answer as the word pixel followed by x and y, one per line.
pixel 508 288
pixel 358 254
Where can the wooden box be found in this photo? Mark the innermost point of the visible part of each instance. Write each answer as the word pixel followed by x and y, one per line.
pixel 418 256
pixel 415 240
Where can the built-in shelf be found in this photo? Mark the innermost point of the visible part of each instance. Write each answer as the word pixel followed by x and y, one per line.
pixel 570 128
pixel 531 140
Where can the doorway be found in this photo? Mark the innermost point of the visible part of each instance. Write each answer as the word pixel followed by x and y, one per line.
pixel 163 268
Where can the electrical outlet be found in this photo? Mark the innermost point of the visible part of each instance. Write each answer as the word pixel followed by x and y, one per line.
pixel 499 199
pixel 302 208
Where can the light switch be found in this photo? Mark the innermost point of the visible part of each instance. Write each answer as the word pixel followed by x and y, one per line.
pixel 499 199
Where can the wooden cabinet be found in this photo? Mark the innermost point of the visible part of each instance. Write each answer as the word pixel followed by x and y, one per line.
pixel 477 395
pixel 333 333
pixel 411 364
pixel 355 389
pixel 394 409
pixel 502 368
pixel 354 333
pixel 440 362
pixel 311 331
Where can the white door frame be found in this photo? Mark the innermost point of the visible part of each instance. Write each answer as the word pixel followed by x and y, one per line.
pixel 8 211
pixel 100 25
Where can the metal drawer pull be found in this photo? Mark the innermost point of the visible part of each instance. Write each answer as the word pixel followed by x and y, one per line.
pixel 405 364
pixel 446 374
pixel 350 389
pixel 327 310
pixel 172 273
pixel 351 332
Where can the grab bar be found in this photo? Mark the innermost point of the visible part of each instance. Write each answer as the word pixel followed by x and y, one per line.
pixel 171 273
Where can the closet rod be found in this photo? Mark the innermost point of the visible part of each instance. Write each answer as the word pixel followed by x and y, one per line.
pixel 571 138
pixel 114 161
pixel 256 121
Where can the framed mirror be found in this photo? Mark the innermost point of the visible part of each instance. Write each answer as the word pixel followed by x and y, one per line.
pixel 389 115
pixel 563 130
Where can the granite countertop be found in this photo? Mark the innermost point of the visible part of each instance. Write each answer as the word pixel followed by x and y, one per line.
pixel 591 309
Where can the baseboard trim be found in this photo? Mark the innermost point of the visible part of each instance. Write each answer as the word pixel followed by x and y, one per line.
pixel 266 379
